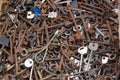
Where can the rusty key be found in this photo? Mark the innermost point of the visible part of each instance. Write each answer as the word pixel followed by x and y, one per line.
pixel 11 33
pixel 98 21
pixel 110 31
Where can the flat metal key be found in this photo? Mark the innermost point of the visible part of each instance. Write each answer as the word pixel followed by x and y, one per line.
pixel 82 50
pixel 92 47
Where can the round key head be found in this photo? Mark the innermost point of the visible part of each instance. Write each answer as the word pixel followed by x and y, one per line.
pixel 93 46
pixel 106 38
pixel 111 56
pixel 83 50
pixel 30 15
pixel 79 28
pixel 28 63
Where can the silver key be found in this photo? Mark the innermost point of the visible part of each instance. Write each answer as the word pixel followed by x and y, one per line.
pixel 96 35
pixel 92 47
pixel 82 50
pixel 31 72
pixel 99 31
pixel 106 38
pixel 29 63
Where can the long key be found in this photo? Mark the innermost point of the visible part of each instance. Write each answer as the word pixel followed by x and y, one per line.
pixel 11 33
pixel 22 37
pixel 92 47
pixel 82 50
pixel 29 63
pixel 45 48
pixel 78 35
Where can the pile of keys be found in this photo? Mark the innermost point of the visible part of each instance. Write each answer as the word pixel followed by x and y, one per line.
pixel 59 40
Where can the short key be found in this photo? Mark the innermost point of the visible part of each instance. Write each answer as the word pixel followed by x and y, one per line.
pixel 99 31
pixel 92 47
pixel 106 38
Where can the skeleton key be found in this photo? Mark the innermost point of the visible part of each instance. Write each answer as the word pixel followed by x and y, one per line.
pixel 110 30
pixel 20 42
pixel 99 31
pixel 92 47
pixel 92 26
pixel 106 38
pixel 78 35
pixel 82 50
pixel 10 33
pixel 45 48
